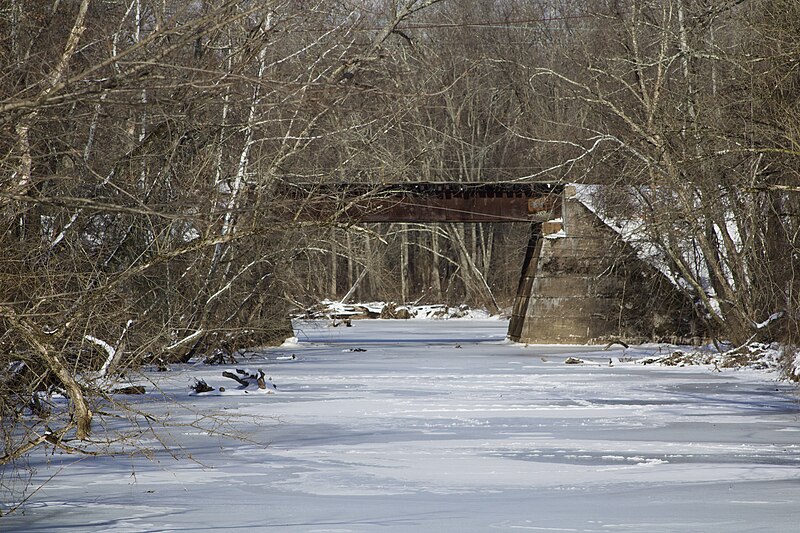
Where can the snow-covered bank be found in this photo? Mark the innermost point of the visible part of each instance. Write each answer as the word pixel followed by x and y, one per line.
pixel 444 426
pixel 331 309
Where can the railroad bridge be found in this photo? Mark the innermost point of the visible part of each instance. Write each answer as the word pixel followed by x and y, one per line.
pixel 580 281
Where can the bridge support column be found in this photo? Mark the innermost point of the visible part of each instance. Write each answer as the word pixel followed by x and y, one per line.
pixel 582 283
pixel 523 296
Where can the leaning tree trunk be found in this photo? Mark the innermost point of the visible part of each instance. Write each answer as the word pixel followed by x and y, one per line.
pixel 81 413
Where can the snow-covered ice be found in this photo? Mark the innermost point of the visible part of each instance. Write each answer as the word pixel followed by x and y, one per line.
pixel 444 426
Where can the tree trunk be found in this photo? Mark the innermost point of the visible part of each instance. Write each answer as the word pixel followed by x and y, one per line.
pixel 404 264
pixel 81 413
pixel 436 279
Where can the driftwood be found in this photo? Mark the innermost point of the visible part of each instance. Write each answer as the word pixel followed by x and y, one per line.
pixel 245 378
pixel 616 341
pixel 200 385
pixel 221 355
pixel 242 382
pixel 133 389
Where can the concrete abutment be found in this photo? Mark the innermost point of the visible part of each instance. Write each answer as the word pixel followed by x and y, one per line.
pixel 582 283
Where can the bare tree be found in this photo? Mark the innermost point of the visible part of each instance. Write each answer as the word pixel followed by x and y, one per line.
pixel 656 81
pixel 146 147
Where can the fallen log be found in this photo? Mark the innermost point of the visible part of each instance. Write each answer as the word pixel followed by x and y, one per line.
pixel 241 381
pixel 132 389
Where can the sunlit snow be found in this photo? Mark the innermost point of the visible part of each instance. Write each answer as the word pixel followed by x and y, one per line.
pixel 442 426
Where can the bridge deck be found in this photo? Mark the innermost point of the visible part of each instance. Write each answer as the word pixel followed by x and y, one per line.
pixel 426 201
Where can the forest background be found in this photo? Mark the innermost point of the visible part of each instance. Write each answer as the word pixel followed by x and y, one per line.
pixel 146 146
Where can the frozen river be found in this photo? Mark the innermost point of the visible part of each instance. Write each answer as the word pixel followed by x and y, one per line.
pixel 440 426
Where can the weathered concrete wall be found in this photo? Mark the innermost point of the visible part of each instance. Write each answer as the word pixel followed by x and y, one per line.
pixel 589 286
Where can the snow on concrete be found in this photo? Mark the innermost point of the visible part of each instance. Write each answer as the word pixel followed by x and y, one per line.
pixel 560 234
pixel 441 426
pixel 633 231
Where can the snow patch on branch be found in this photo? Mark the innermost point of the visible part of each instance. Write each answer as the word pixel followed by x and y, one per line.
pixel 772 318
pixel 185 340
pixel 110 351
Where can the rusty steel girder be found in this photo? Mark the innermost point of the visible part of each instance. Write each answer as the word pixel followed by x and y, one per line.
pixel 429 202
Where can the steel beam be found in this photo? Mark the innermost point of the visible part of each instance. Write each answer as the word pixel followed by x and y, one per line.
pixel 427 202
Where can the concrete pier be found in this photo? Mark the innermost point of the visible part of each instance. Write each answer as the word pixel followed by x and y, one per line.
pixel 583 283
